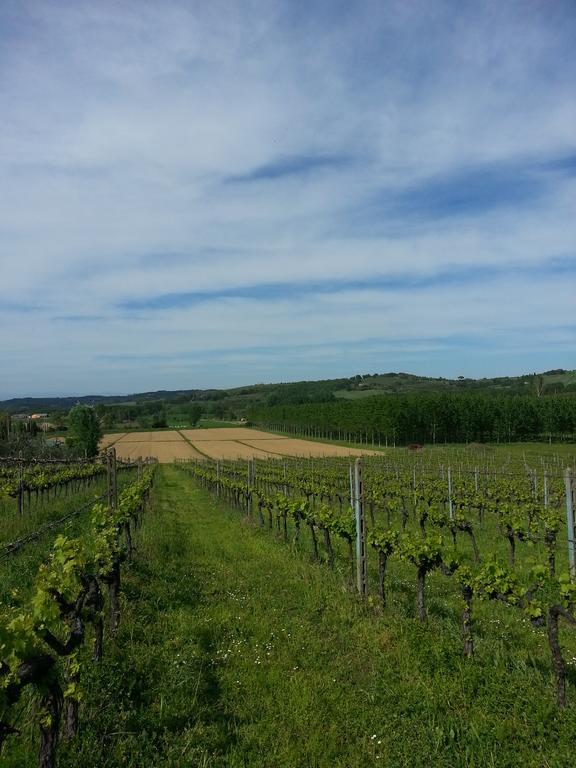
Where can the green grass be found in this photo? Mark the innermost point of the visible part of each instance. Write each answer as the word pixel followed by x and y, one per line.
pixel 359 394
pixel 236 651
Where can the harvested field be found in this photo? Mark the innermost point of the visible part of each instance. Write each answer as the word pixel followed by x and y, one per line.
pixel 227 433
pixel 225 443
pixel 108 440
pixel 165 452
pixel 228 449
pixel 164 436
pixel 293 447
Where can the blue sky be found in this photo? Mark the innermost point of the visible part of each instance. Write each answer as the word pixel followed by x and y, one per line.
pixel 210 194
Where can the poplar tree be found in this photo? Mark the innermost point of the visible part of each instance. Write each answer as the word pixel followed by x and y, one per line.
pixel 84 429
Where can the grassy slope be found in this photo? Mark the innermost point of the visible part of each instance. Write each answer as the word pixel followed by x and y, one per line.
pixel 235 651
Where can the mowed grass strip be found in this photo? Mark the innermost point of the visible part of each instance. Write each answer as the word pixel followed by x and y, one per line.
pixel 237 651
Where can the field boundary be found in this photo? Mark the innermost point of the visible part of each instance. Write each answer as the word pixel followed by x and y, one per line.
pixel 194 448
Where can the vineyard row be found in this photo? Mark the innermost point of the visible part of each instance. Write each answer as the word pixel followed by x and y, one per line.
pixel 42 640
pixel 406 520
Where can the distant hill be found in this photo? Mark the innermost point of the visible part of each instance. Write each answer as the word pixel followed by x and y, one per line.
pixel 239 399
pixel 26 404
pixel 548 382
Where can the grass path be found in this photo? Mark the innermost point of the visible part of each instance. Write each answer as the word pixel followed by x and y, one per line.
pixel 235 652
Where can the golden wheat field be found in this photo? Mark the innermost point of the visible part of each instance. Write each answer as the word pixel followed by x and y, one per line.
pixel 218 443
pixel 166 452
pixel 226 433
pixel 108 440
pixel 292 447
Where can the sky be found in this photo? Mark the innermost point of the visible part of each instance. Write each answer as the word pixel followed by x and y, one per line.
pixel 213 193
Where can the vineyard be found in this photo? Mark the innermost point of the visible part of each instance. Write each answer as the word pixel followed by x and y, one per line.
pixel 495 536
pixel 21 481
pixel 407 608
pixel 48 619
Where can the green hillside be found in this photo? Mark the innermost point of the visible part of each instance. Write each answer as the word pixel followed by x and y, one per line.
pixel 237 401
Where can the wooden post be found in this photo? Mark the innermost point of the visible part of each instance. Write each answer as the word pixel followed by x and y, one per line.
pixel 570 524
pixel 111 477
pixel 251 474
pixel 360 530
pixel 546 489
pixel 21 486
pixel 450 507
pixel 114 477
pixel 351 487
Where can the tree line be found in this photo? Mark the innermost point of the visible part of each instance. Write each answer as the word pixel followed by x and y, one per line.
pixel 431 418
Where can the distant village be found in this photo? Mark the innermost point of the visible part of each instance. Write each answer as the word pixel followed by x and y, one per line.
pixel 40 420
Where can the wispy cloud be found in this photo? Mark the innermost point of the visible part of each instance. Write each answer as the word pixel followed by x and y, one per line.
pixel 299 165
pixel 367 177
pixel 453 277
pixel 15 307
pixel 516 186
pixel 471 192
pixel 80 319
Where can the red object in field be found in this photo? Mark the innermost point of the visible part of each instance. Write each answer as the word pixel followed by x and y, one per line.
pixel 415 447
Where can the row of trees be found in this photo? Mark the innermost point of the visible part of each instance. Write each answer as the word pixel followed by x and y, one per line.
pixel 152 414
pixel 433 418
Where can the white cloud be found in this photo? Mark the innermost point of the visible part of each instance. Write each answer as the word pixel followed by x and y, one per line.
pixel 124 123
